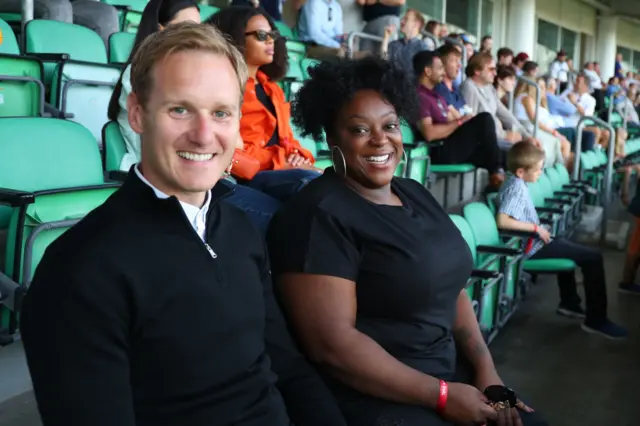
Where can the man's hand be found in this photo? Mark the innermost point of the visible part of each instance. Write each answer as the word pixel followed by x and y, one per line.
pixel 389 30
pixel 454 113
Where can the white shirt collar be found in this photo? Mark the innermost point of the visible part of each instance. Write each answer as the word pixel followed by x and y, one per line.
pixel 197 216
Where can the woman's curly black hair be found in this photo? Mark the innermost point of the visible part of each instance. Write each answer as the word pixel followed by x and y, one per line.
pixel 333 84
pixel 232 23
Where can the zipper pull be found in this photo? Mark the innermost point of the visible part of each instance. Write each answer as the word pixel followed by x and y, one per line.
pixel 213 253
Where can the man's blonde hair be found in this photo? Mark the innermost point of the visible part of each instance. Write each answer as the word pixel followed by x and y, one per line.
pixel 181 37
pixel 523 155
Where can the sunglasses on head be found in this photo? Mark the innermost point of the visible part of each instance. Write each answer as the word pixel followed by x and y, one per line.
pixel 262 35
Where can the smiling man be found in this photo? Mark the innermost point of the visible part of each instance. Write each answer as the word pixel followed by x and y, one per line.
pixel 157 308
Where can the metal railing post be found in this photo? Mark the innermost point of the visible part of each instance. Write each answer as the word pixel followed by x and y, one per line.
pixel 625 113
pixel 511 99
pixel 459 43
pixel 608 175
pixel 536 117
pixel 610 113
pixel 351 40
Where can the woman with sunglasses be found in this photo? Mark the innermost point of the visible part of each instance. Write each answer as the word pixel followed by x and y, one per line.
pixel 156 16
pixel 272 160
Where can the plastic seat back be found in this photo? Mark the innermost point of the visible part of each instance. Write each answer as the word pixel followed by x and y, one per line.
pixel 20 93
pixel 130 13
pixel 83 91
pixel 482 223
pixel 563 174
pixel 545 186
pixel 80 43
pixel 114 146
pixel 536 193
pixel 284 30
pixel 206 11
pixel 295 66
pixel 120 45
pixel 467 234
pixel 307 63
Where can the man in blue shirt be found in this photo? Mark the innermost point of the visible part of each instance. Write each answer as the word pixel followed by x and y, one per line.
pixel 450 56
pixel 321 23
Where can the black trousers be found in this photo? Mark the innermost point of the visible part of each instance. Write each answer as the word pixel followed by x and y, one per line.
pixel 369 411
pixel 474 142
pixel 590 261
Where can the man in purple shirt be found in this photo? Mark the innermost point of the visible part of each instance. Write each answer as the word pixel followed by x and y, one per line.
pixel 466 139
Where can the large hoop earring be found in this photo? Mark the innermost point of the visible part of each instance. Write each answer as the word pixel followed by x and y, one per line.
pixel 405 156
pixel 344 162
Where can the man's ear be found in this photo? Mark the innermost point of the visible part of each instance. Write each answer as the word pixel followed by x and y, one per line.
pixel 134 112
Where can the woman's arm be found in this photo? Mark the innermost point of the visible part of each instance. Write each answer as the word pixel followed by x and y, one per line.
pixel 323 314
pixel 529 105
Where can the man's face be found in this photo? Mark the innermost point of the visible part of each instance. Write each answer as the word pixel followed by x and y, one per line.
pixel 581 85
pixel 444 31
pixel 189 125
pixel 532 72
pixel 452 65
pixel 596 68
pixel 505 60
pixel 409 24
pixel 488 73
pixel 562 58
pixel 435 73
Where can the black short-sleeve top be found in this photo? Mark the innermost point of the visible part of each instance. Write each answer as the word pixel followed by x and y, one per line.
pixel 409 263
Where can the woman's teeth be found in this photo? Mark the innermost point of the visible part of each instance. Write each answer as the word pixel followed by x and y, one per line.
pixel 378 159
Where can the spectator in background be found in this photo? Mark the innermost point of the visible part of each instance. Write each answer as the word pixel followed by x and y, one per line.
pixel 486 44
pixel 519 61
pixel 433 28
pixel 468 45
pixel 481 96
pixel 450 57
pixel 504 83
pixel 505 56
pixel 560 108
pixel 556 147
pixel 401 52
pixel 444 30
pixel 618 71
pixel 530 70
pixel 378 15
pixel 467 138
pixel 595 84
pixel 321 24
pixel 559 69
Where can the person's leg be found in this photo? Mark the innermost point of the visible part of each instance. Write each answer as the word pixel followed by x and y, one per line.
pixel 282 184
pixel 369 411
pixel 569 133
pixel 588 141
pixel 473 142
pixel 259 206
pixel 570 303
pixel 631 262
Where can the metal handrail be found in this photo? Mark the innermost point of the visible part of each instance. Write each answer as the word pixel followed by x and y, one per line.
pixel 625 112
pixel 536 116
pixel 608 175
pixel 427 34
pixel 351 39
pixel 457 42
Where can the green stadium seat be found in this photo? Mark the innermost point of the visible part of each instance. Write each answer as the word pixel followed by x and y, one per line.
pixel 559 190
pixel 323 158
pixel 114 147
pixel 120 45
pixel 130 12
pixel 285 31
pixel 50 177
pixel 82 83
pixel 483 285
pixel 206 11
pixel 22 92
pixel 495 252
pixel 307 63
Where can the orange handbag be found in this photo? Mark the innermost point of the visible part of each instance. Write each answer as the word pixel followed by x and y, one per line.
pixel 244 166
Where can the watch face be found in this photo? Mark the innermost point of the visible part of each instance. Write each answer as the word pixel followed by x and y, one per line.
pixel 497 394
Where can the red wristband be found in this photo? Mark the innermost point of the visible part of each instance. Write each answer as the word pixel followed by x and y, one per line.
pixel 443 394
pixel 530 242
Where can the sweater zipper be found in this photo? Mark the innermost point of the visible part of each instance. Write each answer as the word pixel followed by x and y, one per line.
pixel 211 252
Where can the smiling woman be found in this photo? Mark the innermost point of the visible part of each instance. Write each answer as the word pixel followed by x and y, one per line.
pixel 371 269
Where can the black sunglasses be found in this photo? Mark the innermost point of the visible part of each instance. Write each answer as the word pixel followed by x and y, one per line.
pixel 262 35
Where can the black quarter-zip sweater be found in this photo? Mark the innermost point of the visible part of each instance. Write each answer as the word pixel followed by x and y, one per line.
pixel 131 321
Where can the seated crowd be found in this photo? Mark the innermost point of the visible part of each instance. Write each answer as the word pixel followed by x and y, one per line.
pixel 228 281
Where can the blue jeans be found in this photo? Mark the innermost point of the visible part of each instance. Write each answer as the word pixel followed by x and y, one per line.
pixel 259 206
pixel 282 184
pixel 588 138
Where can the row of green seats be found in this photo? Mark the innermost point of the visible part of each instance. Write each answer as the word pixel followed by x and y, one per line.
pixel 50 177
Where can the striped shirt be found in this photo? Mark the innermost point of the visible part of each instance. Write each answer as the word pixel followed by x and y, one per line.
pixel 514 201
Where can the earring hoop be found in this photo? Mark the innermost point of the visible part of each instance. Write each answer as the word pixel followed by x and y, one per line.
pixel 344 162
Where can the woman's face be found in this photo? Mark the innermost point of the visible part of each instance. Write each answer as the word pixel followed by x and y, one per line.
pixel 188 14
pixel 508 84
pixel 259 42
pixel 368 134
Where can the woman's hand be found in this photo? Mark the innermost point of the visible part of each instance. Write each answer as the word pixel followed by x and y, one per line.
pixel 466 405
pixel 297 160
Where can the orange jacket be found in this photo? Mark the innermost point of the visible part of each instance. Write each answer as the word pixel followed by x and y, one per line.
pixel 258 124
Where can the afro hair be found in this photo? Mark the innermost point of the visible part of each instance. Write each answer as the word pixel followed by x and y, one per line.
pixel 333 83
